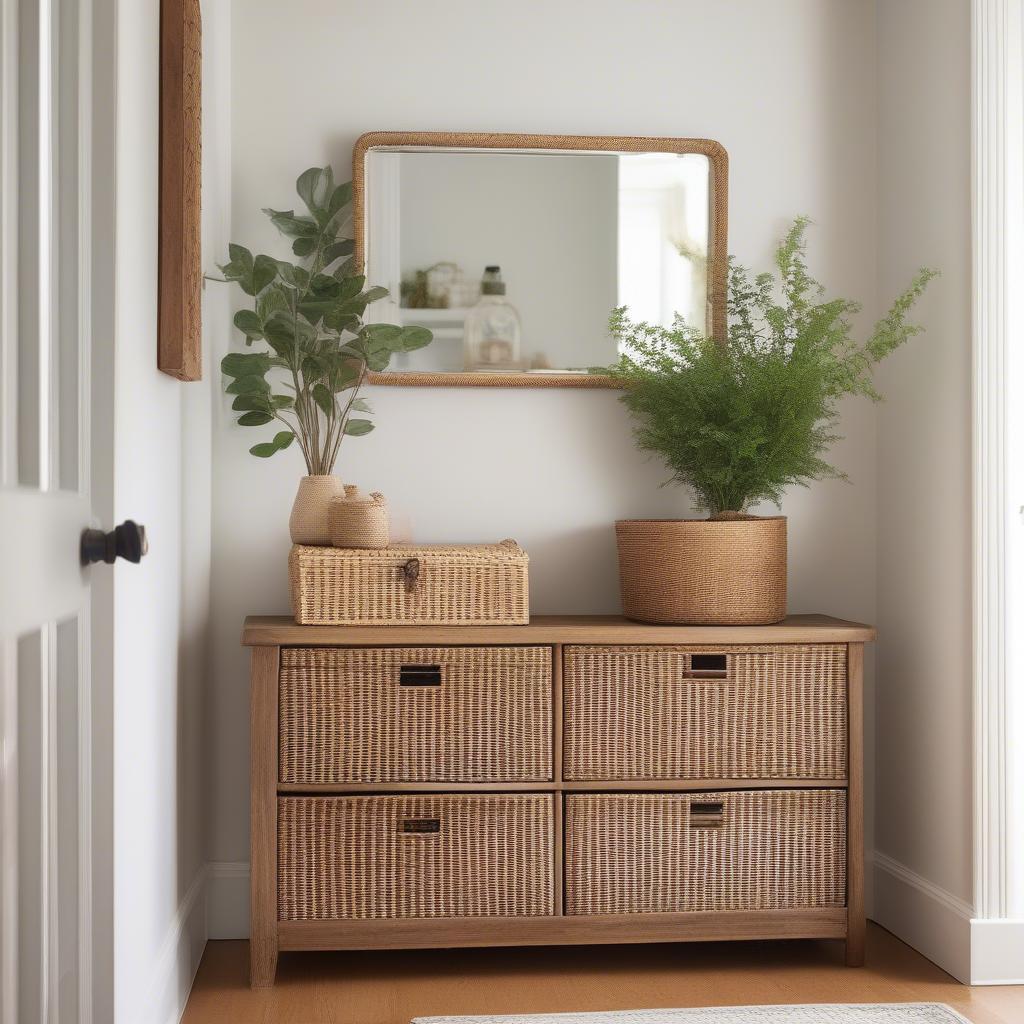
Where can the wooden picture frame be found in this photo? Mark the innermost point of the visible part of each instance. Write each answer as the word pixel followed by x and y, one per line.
pixel 179 317
pixel 718 261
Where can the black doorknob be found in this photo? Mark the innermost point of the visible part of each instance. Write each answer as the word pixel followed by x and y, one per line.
pixel 127 541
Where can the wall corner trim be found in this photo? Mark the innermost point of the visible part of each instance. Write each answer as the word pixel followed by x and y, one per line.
pixel 180 953
pixel 923 914
pixel 995 168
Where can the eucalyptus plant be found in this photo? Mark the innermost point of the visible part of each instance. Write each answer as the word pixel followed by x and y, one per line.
pixel 309 314
pixel 740 422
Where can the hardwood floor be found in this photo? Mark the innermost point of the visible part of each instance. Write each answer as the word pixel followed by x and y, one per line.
pixel 392 988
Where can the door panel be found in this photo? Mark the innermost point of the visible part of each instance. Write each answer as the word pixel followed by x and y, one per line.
pixel 53 289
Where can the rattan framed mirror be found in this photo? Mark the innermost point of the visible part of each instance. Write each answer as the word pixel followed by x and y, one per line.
pixel 514 249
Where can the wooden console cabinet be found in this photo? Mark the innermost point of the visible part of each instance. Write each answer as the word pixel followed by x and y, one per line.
pixel 581 779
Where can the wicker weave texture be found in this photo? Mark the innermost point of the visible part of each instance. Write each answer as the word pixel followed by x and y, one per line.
pixel 359 520
pixel 707 572
pixel 635 853
pixel 639 713
pixel 469 585
pixel 351 857
pixel 345 715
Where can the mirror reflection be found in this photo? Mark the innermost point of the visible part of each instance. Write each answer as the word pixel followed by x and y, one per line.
pixel 515 258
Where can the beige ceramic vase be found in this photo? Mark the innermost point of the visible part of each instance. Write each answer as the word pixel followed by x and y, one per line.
pixel 310 521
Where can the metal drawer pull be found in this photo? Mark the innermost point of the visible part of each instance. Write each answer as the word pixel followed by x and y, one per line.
pixel 708 666
pixel 707 815
pixel 419 675
pixel 421 826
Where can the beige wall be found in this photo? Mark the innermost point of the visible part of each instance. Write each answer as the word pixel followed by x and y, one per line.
pixel 787 87
pixel 923 704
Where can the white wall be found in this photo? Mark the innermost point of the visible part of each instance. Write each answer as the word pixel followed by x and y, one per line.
pixel 924 821
pixel 787 87
pixel 162 471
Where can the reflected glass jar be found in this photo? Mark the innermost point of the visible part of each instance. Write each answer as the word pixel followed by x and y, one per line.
pixel 493 333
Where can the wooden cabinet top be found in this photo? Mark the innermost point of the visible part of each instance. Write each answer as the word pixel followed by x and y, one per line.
pixel 281 630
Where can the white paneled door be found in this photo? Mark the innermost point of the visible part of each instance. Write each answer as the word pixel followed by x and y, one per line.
pixel 56 296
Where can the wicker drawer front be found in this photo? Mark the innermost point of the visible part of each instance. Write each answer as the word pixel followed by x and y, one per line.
pixel 424 714
pixel 705 713
pixel 469 855
pixel 649 853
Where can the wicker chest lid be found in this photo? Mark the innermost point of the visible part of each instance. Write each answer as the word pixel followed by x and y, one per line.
pixel 430 584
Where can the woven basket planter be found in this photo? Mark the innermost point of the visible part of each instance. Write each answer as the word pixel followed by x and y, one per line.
pixel 714 572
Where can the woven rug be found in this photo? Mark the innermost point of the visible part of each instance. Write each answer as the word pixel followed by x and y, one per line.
pixel 880 1013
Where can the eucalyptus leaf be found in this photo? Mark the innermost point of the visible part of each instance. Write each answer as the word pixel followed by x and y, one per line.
pixel 361 405
pixel 283 439
pixel 303 246
pixel 340 198
pixel 324 398
pixel 249 323
pixel 264 450
pixel 339 321
pixel 415 337
pixel 378 359
pixel 343 247
pixel 346 269
pixel 316 188
pixel 240 268
pixel 247 386
pixel 384 334
pixel 296 277
pixel 289 224
pixel 251 403
pixel 242 364
pixel 351 287
pixel 264 270
pixel 254 419
pixel 325 286
pixel 358 427
pixel 272 300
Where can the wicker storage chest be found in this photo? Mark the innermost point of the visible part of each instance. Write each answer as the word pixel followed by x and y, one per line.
pixel 394 857
pixel 415 714
pixel 697 713
pixel 657 853
pixel 568 780
pixel 432 584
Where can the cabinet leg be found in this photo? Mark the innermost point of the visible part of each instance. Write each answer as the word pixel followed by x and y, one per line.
pixel 855 944
pixel 262 963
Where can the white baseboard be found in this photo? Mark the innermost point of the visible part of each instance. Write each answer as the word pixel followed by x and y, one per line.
pixel 935 922
pixel 180 953
pixel 228 900
pixel 997 952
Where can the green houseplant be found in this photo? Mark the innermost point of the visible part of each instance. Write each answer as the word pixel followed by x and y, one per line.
pixel 315 350
pixel 738 423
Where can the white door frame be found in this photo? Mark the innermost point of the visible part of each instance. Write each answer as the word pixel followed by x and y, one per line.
pixel 997 930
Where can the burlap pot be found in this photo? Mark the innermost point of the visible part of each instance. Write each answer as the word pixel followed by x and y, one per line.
pixel 309 522
pixel 715 572
pixel 359 520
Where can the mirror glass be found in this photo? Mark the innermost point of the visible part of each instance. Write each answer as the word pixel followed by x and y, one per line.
pixel 515 258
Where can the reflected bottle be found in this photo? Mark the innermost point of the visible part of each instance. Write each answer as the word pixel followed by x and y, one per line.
pixel 492 337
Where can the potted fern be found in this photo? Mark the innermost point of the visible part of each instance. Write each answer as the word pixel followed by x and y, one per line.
pixel 738 423
pixel 306 382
